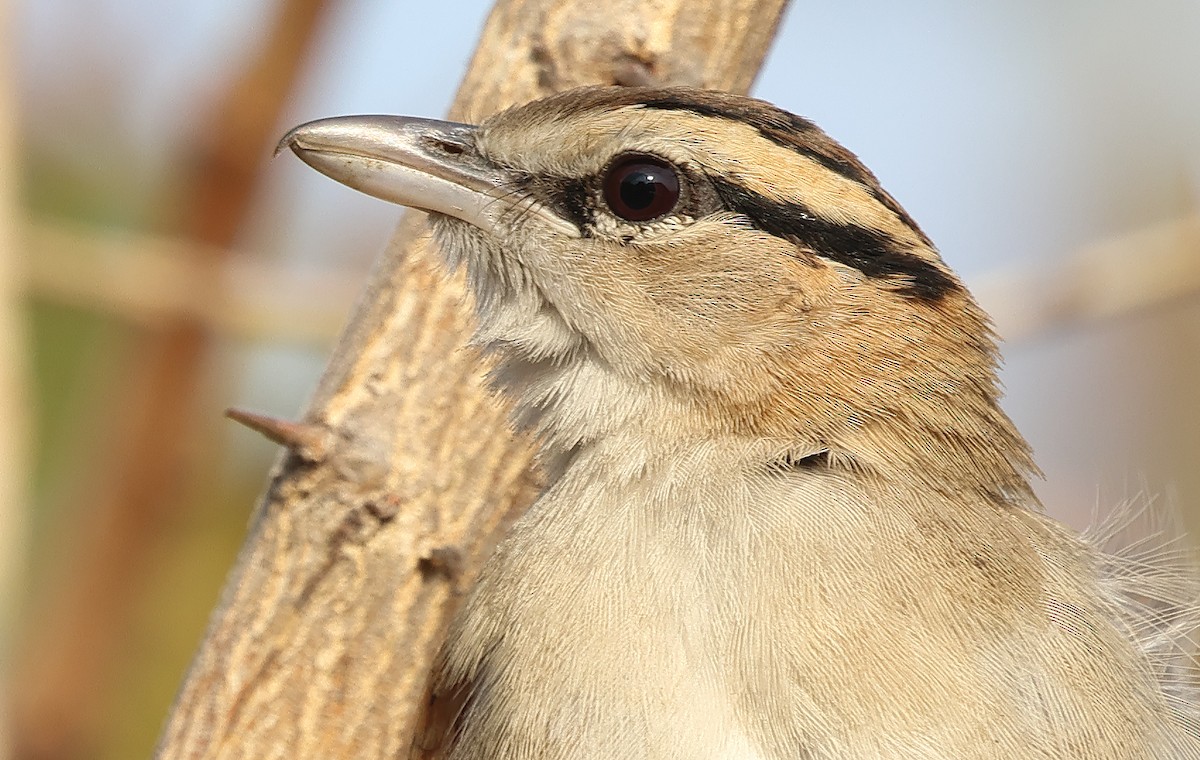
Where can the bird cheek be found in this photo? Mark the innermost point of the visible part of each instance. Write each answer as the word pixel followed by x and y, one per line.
pixel 813 286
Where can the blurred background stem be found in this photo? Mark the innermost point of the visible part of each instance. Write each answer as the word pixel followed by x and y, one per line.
pixel 14 397
pixel 84 619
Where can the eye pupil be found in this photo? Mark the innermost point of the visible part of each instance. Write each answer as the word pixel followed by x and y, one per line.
pixel 640 188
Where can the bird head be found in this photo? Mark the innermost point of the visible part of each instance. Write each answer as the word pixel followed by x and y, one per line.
pixel 691 264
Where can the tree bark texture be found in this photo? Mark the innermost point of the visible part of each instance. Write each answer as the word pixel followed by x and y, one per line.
pixel 404 473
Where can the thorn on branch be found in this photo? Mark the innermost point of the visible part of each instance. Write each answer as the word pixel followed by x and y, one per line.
pixel 444 561
pixel 308 441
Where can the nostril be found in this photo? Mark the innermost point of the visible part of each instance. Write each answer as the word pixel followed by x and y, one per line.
pixel 445 146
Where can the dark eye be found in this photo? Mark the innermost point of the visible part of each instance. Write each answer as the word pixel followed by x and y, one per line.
pixel 640 188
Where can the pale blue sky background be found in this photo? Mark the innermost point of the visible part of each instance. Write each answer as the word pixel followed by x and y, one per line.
pixel 1015 132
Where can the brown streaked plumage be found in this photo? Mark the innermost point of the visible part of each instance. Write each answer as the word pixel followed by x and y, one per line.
pixel 787 517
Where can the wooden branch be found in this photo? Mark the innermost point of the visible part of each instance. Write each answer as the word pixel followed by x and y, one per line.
pixel 353 565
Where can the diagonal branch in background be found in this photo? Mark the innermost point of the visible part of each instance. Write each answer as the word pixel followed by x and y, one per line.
pixel 144 461
pixel 148 280
pixel 327 627
pixel 1096 282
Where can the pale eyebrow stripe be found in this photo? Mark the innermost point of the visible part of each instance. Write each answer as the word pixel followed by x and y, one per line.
pixel 795 133
pixel 778 126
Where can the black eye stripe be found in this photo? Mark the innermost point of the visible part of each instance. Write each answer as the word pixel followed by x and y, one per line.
pixel 874 253
pixel 575 200
pixel 570 198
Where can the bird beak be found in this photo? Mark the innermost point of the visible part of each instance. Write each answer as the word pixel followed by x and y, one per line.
pixel 420 163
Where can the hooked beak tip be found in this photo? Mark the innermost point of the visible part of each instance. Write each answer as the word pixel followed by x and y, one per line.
pixel 294 138
pixel 284 143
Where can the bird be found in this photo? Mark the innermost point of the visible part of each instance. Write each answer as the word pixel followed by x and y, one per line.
pixel 785 515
